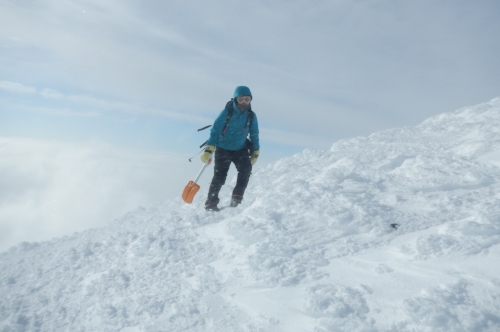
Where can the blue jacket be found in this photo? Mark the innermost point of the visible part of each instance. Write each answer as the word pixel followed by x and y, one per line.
pixel 238 127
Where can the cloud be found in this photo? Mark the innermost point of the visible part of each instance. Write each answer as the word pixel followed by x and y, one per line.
pixel 50 189
pixel 95 104
pixel 54 111
pixel 52 94
pixel 16 87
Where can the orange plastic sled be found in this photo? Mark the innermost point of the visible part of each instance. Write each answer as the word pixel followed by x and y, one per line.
pixel 192 187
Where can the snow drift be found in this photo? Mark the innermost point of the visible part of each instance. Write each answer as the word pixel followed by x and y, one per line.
pixel 310 249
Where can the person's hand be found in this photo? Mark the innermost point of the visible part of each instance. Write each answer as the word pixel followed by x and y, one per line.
pixel 254 157
pixel 208 153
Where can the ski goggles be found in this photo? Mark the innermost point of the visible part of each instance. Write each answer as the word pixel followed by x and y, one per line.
pixel 244 99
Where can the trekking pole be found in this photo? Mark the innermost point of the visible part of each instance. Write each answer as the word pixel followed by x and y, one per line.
pixel 192 187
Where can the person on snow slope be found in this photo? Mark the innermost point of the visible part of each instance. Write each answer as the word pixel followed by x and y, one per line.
pixel 228 138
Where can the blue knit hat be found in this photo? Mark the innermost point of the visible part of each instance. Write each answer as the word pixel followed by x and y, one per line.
pixel 242 91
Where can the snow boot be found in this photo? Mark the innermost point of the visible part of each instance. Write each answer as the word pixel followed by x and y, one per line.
pixel 212 207
pixel 235 201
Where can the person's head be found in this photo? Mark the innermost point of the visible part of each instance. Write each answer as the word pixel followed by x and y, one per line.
pixel 242 95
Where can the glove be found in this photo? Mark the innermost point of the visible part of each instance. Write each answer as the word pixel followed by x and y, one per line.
pixel 254 157
pixel 208 153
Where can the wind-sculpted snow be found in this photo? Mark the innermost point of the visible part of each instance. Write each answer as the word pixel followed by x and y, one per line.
pixel 310 249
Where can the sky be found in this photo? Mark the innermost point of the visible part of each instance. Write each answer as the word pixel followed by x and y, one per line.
pixel 128 78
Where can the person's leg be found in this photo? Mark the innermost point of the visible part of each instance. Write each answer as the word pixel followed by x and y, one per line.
pixel 222 161
pixel 244 167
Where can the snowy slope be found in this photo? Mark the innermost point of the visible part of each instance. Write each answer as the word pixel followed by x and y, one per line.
pixel 310 249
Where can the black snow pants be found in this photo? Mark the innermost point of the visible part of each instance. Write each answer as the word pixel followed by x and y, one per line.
pixel 223 159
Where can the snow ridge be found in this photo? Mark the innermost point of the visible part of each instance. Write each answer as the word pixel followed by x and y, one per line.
pixel 310 249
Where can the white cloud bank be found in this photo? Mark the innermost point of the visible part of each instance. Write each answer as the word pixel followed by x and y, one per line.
pixel 50 189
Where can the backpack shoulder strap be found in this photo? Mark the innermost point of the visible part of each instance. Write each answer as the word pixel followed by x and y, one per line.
pixel 230 110
pixel 250 115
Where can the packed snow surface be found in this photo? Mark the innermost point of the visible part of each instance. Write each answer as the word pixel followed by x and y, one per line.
pixel 310 249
